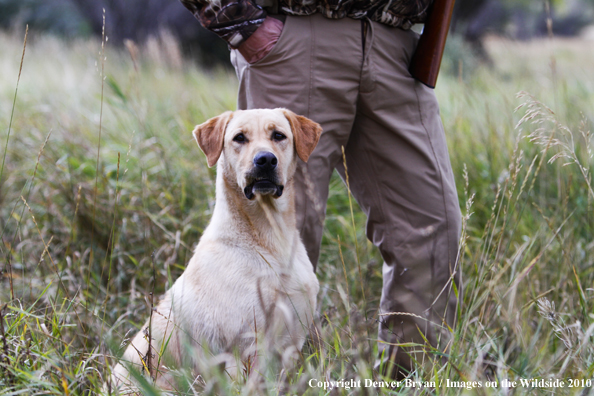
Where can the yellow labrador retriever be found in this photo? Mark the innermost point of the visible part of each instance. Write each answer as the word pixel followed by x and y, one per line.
pixel 250 280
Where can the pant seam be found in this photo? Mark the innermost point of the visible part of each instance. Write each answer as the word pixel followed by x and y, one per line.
pixel 447 222
pixel 305 169
pixel 311 68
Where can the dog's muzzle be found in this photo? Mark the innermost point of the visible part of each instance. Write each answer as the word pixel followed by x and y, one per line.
pixel 263 177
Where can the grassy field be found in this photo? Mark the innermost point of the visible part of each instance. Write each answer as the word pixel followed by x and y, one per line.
pixel 104 193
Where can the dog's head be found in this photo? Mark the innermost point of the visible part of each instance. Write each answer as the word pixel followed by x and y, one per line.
pixel 260 146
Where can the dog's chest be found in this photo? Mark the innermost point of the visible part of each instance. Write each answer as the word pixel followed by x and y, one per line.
pixel 222 300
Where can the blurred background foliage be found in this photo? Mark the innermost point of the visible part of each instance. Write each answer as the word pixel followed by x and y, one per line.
pixel 473 20
pixel 136 20
pixel 141 20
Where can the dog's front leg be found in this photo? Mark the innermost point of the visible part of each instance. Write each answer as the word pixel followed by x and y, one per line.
pixel 149 353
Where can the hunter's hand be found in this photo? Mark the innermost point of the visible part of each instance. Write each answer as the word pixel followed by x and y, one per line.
pixel 261 42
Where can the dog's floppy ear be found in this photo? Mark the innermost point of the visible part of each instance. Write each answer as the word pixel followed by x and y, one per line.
pixel 305 132
pixel 209 136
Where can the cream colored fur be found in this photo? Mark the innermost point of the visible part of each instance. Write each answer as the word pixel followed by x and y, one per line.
pixel 250 277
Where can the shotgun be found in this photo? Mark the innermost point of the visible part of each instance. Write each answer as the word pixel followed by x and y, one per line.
pixel 424 65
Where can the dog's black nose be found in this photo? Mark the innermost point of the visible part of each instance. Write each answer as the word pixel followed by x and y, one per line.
pixel 265 160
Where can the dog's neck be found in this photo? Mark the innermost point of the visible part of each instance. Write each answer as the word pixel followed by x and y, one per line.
pixel 264 221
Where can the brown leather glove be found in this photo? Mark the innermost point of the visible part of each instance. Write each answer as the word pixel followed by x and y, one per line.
pixel 261 42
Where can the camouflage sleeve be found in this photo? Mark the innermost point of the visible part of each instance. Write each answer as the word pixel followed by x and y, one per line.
pixel 232 20
pixel 402 14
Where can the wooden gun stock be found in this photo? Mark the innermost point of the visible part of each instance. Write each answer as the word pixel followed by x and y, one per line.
pixel 424 65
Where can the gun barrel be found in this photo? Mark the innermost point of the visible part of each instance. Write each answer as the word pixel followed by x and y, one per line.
pixel 425 63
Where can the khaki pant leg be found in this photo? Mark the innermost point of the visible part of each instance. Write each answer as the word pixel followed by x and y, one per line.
pixel 397 157
pixel 313 70
pixel 400 174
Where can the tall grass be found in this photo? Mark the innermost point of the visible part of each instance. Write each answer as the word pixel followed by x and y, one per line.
pixel 83 282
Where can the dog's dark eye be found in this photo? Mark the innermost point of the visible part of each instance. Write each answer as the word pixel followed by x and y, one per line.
pixel 278 136
pixel 240 138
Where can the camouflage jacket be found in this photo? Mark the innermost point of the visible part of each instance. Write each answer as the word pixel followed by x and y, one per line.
pixel 236 20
